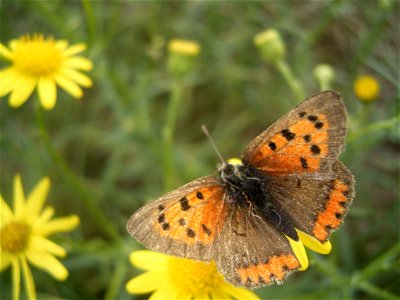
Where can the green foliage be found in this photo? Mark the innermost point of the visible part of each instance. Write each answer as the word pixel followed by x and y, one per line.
pixel 105 155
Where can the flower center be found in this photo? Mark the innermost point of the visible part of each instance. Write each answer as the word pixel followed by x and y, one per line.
pixel 14 237
pixel 37 56
pixel 194 276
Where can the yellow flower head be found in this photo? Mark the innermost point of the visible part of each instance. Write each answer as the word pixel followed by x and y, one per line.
pixel 181 57
pixel 44 63
pixel 23 236
pixel 171 277
pixel 185 47
pixel 366 88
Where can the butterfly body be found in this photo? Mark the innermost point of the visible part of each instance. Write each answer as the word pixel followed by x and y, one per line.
pixel 289 180
pixel 250 188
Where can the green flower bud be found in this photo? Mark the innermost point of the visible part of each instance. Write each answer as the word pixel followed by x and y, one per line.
pixel 270 44
pixel 324 74
pixel 181 56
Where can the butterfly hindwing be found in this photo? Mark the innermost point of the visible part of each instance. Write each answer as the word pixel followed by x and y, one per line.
pixel 251 252
pixel 307 139
pixel 184 222
pixel 316 203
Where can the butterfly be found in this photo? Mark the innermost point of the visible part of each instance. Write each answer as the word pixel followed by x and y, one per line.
pixel 288 179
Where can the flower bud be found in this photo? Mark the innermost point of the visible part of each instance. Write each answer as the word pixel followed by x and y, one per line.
pixel 181 56
pixel 270 44
pixel 324 74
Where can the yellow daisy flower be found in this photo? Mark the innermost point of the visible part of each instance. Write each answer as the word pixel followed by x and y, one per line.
pixel 44 63
pixel 366 88
pixel 170 277
pixel 23 236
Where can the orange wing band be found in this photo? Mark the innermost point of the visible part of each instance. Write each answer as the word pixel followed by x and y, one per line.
pixel 332 217
pixel 276 269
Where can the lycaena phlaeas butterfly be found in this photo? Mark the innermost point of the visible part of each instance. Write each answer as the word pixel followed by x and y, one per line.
pixel 289 179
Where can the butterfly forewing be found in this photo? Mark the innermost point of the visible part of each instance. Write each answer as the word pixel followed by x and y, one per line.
pixel 307 139
pixel 185 222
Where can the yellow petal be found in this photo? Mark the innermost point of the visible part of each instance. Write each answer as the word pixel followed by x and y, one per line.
pixel 47 213
pixel 58 225
pixel 78 77
pixel 39 242
pixel 68 85
pixel 74 49
pixel 300 252
pixel 19 198
pixel 78 62
pixel 238 293
pixel 6 213
pixel 28 278
pixel 166 292
pixel 62 44
pixel 16 277
pixel 47 92
pixel 47 262
pixel 5 52
pixel 13 44
pixel 8 78
pixel 148 260
pixel 145 283
pixel 36 197
pixel 5 260
pixel 314 244
pixel 23 89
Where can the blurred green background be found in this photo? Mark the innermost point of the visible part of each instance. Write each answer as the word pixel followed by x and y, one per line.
pixel 112 138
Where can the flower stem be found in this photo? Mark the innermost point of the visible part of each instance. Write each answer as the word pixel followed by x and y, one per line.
pixel 168 134
pixel 72 179
pixel 369 129
pixel 118 277
pixel 293 83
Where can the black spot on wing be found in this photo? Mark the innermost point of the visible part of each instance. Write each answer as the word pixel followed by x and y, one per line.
pixel 315 149
pixel 288 135
pixel 184 204
pixel 304 163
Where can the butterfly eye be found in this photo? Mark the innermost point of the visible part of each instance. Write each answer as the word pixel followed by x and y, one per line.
pixel 228 172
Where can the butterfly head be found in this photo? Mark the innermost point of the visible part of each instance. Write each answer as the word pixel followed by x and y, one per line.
pixel 231 170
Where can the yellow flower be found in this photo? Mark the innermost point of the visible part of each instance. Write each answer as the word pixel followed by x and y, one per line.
pixel 182 54
pixel 366 88
pixel 184 47
pixel 23 236
pixel 44 63
pixel 171 277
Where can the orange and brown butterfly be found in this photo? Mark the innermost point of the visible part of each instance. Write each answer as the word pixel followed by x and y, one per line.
pixel 289 181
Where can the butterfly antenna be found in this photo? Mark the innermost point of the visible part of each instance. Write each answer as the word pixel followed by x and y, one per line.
pixel 205 130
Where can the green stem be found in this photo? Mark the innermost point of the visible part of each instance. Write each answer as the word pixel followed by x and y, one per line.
pixel 385 124
pixel 72 179
pixel 91 22
pixel 378 264
pixel 168 134
pixel 375 291
pixel 293 83
pixel 118 277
